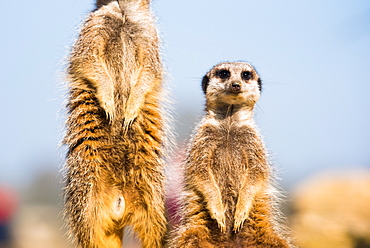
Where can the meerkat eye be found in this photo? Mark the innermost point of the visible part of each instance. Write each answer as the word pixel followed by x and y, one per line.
pixel 246 75
pixel 223 74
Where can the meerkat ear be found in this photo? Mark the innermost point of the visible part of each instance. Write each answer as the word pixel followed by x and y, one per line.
pixel 259 81
pixel 205 82
pixel 100 3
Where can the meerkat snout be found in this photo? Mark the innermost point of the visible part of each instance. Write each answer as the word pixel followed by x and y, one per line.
pixel 236 86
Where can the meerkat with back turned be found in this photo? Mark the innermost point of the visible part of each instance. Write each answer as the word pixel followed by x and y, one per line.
pixel 226 200
pixel 115 129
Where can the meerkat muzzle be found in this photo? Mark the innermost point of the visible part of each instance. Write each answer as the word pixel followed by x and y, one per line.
pixel 236 87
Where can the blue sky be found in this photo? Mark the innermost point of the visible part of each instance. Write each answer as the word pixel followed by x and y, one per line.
pixel 313 57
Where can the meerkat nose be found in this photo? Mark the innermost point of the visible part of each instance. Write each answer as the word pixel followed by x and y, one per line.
pixel 235 86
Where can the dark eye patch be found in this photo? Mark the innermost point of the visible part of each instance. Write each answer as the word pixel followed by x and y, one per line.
pixel 246 75
pixel 223 74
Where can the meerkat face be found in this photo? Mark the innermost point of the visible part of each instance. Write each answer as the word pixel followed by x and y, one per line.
pixel 234 83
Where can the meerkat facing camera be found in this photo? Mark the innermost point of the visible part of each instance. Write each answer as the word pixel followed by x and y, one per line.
pixel 115 129
pixel 226 198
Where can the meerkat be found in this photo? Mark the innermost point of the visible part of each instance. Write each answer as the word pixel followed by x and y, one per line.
pixel 115 129
pixel 226 189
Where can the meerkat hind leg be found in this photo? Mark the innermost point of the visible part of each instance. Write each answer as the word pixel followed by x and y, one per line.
pixel 143 222
pixel 107 217
pixel 193 235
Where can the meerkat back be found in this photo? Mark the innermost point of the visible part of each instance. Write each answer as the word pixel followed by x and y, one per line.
pixel 227 201
pixel 115 135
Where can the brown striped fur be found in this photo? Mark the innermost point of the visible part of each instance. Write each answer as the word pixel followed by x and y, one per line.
pixel 227 201
pixel 115 130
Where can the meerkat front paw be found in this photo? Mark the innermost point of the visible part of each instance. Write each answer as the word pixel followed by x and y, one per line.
pixel 218 213
pixel 241 214
pixel 239 220
pixel 131 113
pixel 127 123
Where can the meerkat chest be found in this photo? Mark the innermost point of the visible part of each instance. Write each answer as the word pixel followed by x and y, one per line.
pixel 230 155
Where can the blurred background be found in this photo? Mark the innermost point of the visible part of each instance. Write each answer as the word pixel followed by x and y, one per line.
pixel 314 60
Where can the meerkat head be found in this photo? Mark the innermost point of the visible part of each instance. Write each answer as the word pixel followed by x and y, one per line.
pixel 232 83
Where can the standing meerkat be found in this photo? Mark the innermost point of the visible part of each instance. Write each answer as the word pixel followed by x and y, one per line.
pixel 227 200
pixel 115 130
